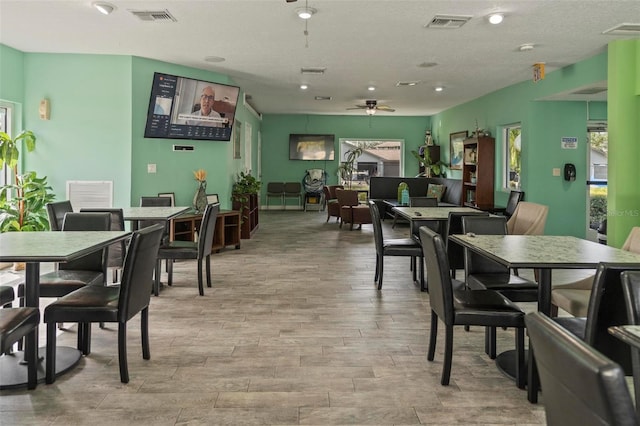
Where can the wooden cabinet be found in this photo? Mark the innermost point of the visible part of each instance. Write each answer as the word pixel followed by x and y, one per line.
pixel 249 215
pixel 227 233
pixel 478 172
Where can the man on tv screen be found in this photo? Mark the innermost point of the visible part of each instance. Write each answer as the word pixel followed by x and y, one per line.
pixel 205 115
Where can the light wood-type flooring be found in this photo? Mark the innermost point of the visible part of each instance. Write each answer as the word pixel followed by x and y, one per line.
pixel 293 332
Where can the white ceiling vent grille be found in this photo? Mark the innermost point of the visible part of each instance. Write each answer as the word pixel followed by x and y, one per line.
pixel 407 83
pixel 448 21
pixel 311 70
pixel 624 29
pixel 154 15
pixel 590 91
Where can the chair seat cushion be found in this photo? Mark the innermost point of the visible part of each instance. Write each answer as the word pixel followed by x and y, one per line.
pixel 6 294
pixel 88 304
pixel 486 307
pixel 15 323
pixel 499 281
pixel 401 247
pixel 483 299
pixel 575 302
pixel 64 281
pixel 178 250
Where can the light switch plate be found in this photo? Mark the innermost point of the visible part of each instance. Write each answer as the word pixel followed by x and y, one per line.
pixel 556 171
pixel 151 168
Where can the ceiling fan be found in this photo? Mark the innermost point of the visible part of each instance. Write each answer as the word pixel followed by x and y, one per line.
pixel 371 106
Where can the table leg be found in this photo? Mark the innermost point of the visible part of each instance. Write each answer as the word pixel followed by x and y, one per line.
pixel 544 306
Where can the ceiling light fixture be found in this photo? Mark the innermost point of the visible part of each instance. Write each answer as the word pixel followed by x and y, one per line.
pixel 371 88
pixel 438 88
pixel 526 47
pixel 305 12
pixel 370 111
pixel 104 8
pixel 304 86
pixel 496 18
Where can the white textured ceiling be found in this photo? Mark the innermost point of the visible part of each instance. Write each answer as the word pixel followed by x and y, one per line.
pixel 360 43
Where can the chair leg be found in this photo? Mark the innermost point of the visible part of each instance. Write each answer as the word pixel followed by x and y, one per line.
pixel 200 286
pixel 122 352
pixel 144 332
pixel 375 277
pixel 50 371
pixel 432 336
pixel 208 265
pixel 380 272
pixel 490 342
pixel 156 279
pixel 423 281
pixel 170 272
pixel 520 369
pixel 448 355
pixel 31 356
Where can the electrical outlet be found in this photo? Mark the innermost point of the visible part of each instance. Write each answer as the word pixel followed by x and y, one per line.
pixel 151 168
pixel 556 171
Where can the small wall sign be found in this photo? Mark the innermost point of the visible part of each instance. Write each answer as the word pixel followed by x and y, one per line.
pixel 569 142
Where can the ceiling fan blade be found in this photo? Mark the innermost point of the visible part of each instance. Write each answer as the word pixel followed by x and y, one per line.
pixel 385 108
pixel 291 1
pixel 357 107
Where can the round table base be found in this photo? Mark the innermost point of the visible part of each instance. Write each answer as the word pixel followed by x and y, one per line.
pixel 13 372
pixel 506 363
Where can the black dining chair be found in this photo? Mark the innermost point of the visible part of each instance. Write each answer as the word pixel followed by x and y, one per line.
pixel 455 252
pixel 17 324
pixel 117 304
pixel 454 305
pixel 56 212
pixel 116 252
pixel 7 296
pixel 512 202
pixel 200 250
pixel 393 247
pixel 419 202
pixel 582 386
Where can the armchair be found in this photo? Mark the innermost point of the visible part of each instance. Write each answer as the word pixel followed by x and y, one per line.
pixel 351 211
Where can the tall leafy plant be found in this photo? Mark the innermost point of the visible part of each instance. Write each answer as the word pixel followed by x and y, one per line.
pixel 347 167
pixel 22 203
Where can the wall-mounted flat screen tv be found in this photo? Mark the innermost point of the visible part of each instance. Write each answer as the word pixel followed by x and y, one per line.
pixel 185 108
pixel 311 147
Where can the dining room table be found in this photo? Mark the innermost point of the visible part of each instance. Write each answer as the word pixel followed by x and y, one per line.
pixel 156 213
pixel 34 248
pixel 543 253
pixel 419 216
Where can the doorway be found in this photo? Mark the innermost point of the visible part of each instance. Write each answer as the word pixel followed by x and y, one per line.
pixel 597 159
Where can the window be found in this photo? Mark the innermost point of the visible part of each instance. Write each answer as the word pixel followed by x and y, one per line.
pixel 597 184
pixel 5 121
pixel 512 154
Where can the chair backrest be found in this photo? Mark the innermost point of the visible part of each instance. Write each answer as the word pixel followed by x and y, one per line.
pixel 275 188
pixel 347 197
pixel 56 212
pixel 169 195
pixel 581 385
pixel 292 188
pixel 632 243
pixel 96 261
pixel 514 198
pixel 483 225
pixel 332 190
pixel 207 230
pixel 137 273
pixel 115 251
pixel 455 252
pixel 378 237
pixel 423 202
pixel 631 291
pixel 606 309
pixel 438 277
pixel 528 219
pixel 154 202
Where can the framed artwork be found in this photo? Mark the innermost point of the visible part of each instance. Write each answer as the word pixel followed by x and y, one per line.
pixel 456 147
pixel 237 129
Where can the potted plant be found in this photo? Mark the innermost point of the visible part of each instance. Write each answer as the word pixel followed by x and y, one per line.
pixel 431 168
pixel 23 203
pixel 347 167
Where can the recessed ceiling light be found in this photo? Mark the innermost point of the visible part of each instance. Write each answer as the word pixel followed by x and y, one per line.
pixel 214 59
pixel 304 86
pixel 305 12
pixel 104 8
pixel 438 88
pixel 496 18
pixel 371 88
pixel 526 47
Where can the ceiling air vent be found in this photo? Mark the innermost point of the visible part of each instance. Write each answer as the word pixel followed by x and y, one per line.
pixel 312 70
pixel 590 91
pixel 624 29
pixel 407 83
pixel 448 21
pixel 154 15
pixel 322 98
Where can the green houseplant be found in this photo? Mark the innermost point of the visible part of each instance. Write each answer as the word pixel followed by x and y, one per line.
pixel 432 168
pixel 347 167
pixel 244 186
pixel 23 203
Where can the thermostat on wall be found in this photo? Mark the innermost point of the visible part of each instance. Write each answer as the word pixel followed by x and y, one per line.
pixel 183 147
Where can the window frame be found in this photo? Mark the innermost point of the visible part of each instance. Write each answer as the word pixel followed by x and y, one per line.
pixel 506 150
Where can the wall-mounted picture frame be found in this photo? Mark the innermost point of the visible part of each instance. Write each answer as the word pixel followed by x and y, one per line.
pixel 456 149
pixel 236 140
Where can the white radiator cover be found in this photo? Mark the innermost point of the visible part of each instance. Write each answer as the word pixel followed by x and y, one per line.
pixel 90 194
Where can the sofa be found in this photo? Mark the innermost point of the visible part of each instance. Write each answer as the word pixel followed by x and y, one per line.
pixel 386 188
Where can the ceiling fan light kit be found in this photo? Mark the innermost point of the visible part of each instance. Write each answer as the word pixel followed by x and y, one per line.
pixel 496 18
pixel 305 12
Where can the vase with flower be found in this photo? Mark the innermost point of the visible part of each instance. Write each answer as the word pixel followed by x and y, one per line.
pixel 200 197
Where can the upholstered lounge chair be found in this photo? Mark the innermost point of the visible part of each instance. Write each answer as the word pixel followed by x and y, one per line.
pixel 351 211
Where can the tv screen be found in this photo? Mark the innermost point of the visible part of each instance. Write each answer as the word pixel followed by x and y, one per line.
pixel 311 147
pixel 184 108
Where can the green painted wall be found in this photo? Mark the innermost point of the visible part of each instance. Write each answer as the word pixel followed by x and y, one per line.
pixel 623 203
pixel 175 168
pixel 11 74
pixel 87 137
pixel 276 166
